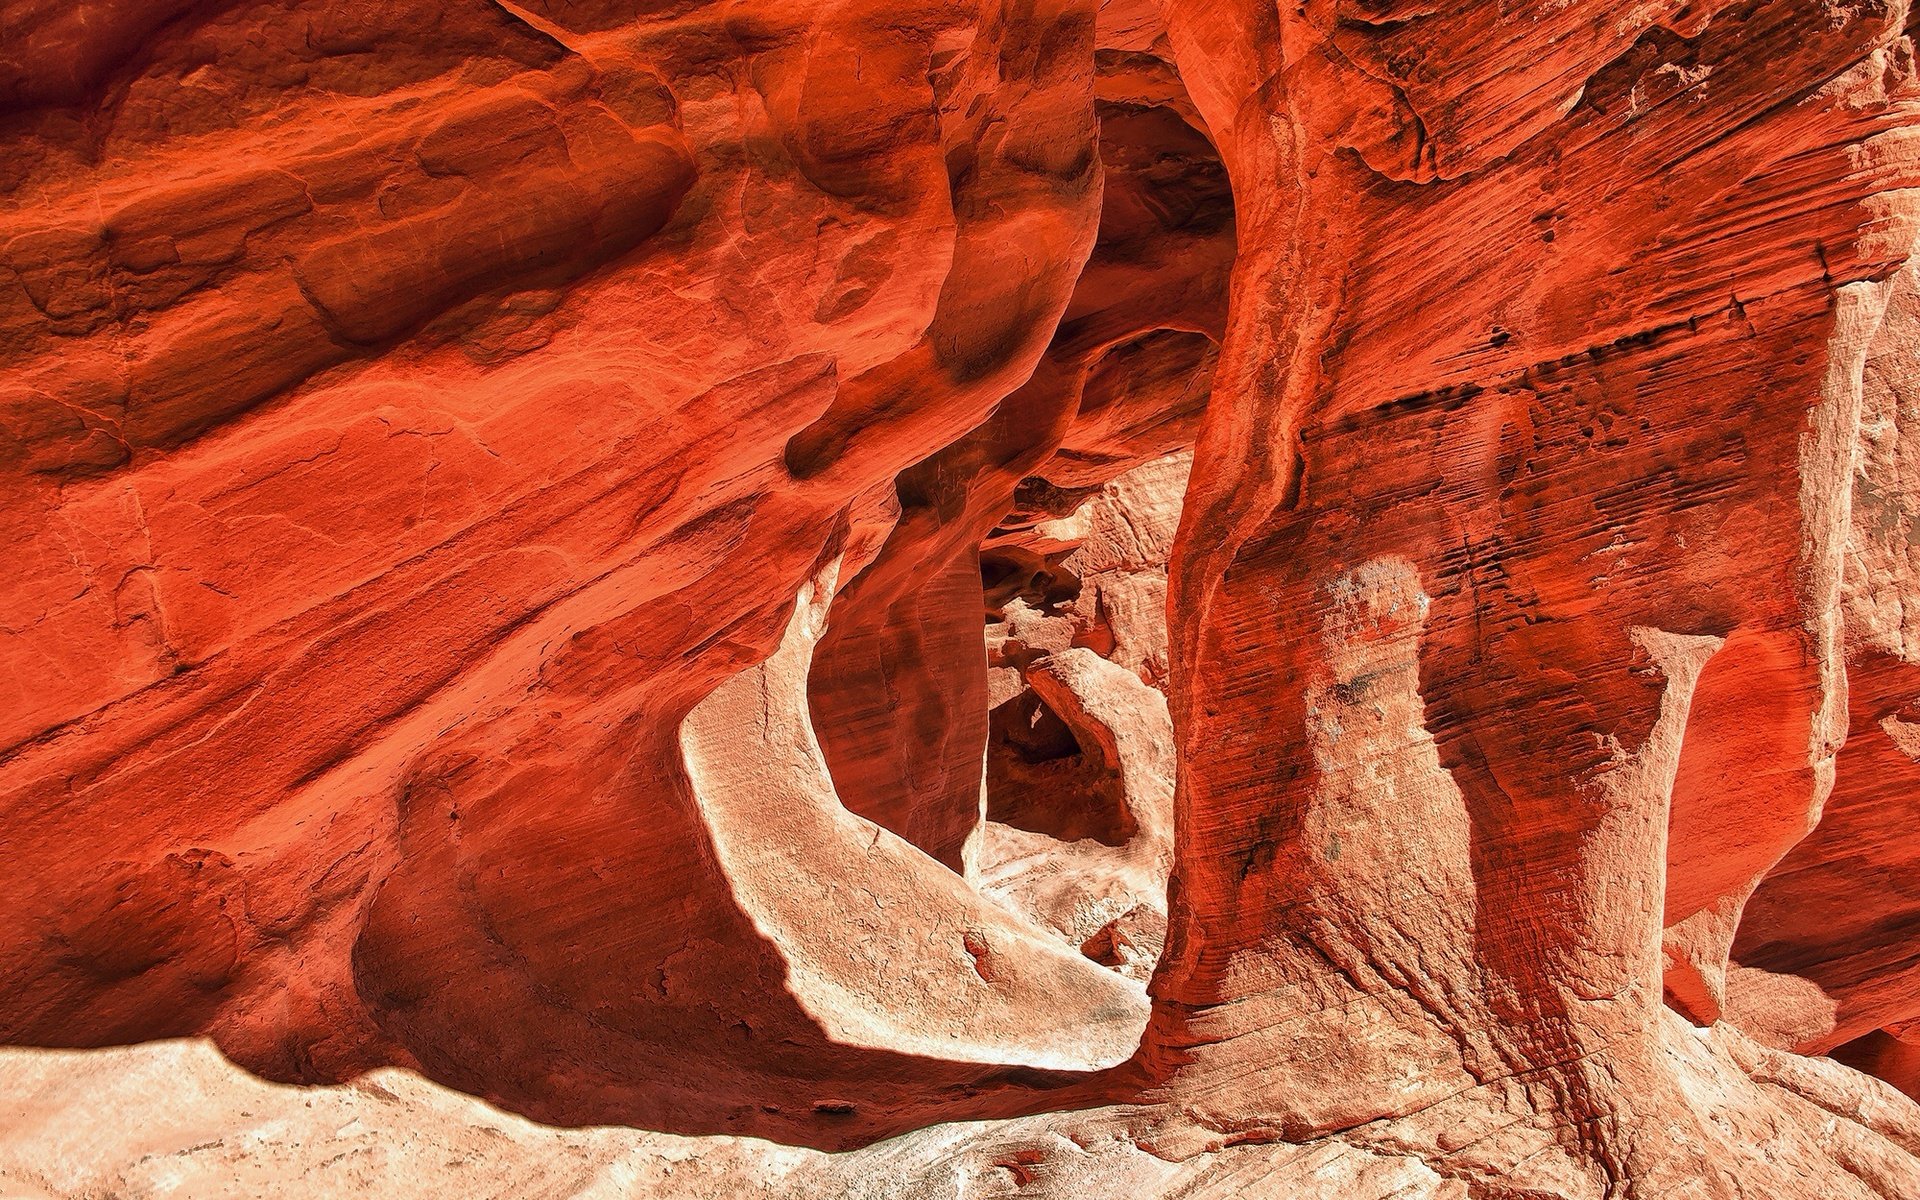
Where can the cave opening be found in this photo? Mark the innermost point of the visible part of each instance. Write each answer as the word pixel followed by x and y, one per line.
pixel 1078 788
pixel 991 685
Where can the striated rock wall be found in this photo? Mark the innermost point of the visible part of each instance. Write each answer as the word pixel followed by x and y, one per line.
pixel 1062 597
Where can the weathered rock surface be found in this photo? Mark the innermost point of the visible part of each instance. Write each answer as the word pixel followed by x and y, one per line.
pixel 927 599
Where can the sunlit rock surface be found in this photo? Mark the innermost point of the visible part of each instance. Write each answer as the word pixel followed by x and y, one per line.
pixel 927 599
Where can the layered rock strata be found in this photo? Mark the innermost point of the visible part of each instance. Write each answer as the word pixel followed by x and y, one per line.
pixel 1059 597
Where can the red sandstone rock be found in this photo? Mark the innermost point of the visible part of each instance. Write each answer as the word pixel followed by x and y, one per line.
pixel 624 561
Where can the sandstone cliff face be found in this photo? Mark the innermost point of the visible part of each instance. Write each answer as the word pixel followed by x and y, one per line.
pixel 1062 598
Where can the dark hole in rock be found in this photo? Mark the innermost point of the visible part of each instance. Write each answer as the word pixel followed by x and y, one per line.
pixel 1040 779
pixel 1015 573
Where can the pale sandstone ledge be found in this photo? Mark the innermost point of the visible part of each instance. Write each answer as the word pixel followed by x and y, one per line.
pixel 176 1121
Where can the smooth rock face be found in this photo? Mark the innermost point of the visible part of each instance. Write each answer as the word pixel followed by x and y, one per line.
pixel 927 599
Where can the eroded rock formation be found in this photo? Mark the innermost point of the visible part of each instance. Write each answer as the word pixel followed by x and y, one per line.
pixel 1064 598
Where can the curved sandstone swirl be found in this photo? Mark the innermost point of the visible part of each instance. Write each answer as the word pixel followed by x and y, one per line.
pixel 619 559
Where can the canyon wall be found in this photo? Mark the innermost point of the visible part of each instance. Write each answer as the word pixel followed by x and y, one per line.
pixel 935 598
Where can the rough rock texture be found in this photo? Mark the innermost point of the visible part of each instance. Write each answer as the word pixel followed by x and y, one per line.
pixel 929 598
pixel 1080 770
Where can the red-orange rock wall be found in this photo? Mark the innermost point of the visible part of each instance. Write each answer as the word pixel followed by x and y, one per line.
pixel 507 502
